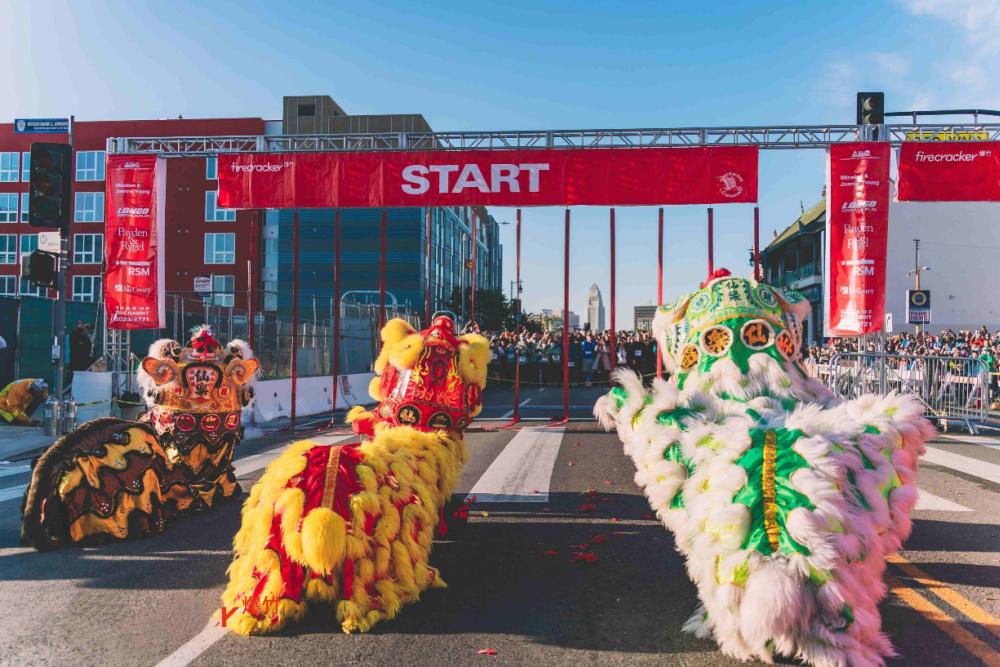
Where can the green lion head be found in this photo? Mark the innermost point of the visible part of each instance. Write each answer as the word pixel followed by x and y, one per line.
pixel 730 318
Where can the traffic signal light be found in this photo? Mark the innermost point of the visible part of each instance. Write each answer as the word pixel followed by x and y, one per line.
pixel 40 267
pixel 871 108
pixel 50 185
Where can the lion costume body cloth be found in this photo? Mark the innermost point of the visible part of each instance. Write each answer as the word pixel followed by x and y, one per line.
pixel 783 499
pixel 352 525
pixel 115 478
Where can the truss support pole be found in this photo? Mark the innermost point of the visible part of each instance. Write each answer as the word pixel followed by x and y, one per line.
pixel 472 278
pixel 711 241
pixel 612 352
pixel 565 332
pixel 383 251
pixel 427 271
pixel 295 315
pixel 336 316
pixel 659 286
pixel 251 292
pixel 756 243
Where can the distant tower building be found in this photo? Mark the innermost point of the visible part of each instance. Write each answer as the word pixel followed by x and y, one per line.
pixel 595 309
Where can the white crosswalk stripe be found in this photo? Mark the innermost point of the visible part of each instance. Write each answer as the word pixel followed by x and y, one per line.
pixel 929 502
pixel 523 470
pixel 963 464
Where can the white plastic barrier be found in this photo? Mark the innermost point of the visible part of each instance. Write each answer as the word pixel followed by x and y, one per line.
pixel 92 393
pixel 312 395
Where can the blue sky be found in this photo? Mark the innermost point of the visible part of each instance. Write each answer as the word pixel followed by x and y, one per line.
pixel 523 65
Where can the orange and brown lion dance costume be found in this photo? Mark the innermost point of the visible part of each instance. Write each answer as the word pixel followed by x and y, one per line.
pixel 115 478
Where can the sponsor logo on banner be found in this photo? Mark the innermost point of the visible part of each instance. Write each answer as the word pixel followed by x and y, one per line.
pixel 857 231
pixel 949 171
pixel 731 185
pixel 523 177
pixel 133 281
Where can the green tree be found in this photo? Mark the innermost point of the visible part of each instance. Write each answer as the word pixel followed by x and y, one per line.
pixel 493 310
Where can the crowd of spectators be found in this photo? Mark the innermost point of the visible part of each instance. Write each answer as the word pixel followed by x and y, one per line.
pixel 965 344
pixel 540 355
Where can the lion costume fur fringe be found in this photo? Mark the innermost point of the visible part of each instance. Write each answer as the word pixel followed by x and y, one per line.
pixel 783 499
pixel 352 525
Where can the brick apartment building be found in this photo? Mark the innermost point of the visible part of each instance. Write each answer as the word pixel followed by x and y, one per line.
pixel 204 240
pixel 201 239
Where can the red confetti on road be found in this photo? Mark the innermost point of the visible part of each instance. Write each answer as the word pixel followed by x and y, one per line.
pixel 550 552
pixel 585 557
pixel 487 651
pixel 546 509
pixel 590 492
pixel 614 519
pixel 598 539
pixel 578 547
pixel 588 507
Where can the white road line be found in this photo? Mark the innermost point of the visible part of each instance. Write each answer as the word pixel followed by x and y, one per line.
pixel 510 413
pixel 200 643
pixel 964 464
pixel 12 492
pixel 981 440
pixel 929 502
pixel 522 473
pixel 14 470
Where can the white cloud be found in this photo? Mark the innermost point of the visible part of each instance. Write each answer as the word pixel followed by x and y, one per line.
pixel 979 19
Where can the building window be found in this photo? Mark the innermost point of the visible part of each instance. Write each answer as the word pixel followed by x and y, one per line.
pixel 215 214
pixel 220 248
pixel 88 207
pixel 10 167
pixel 8 248
pixel 8 285
pixel 88 248
pixel 30 289
pixel 25 167
pixel 86 288
pixel 29 243
pixel 24 207
pixel 212 168
pixel 90 166
pixel 223 288
pixel 8 207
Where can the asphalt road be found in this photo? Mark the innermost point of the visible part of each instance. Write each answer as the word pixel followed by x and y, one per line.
pixel 145 601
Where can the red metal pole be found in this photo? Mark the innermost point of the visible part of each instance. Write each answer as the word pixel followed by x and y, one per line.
pixel 612 340
pixel 711 242
pixel 565 354
pixel 517 361
pixel 336 313
pixel 659 286
pixel 383 251
pixel 295 314
pixel 756 243
pixel 251 292
pixel 427 271
pixel 472 280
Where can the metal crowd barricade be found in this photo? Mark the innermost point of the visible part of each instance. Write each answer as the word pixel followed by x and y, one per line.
pixel 951 388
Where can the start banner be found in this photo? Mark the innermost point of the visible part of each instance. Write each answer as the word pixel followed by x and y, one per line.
pixel 523 177
pixel 949 171
pixel 133 234
pixel 857 234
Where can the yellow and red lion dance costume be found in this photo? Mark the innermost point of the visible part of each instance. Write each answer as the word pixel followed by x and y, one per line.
pixel 115 478
pixel 351 525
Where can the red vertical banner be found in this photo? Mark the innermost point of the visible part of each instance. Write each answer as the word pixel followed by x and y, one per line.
pixel 857 234
pixel 133 234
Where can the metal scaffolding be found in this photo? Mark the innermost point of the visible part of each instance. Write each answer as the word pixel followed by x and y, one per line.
pixel 766 137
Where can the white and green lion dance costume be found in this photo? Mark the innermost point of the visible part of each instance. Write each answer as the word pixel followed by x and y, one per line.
pixel 783 498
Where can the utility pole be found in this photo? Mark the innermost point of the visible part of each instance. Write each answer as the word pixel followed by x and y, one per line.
pixel 917 269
